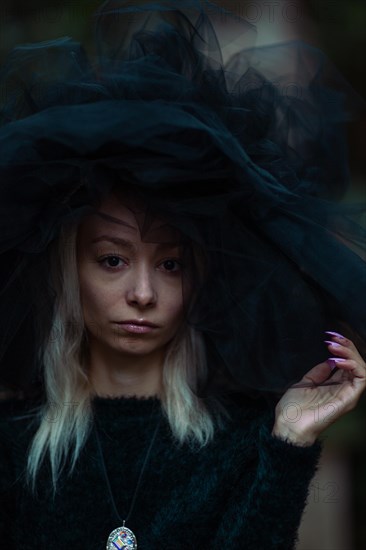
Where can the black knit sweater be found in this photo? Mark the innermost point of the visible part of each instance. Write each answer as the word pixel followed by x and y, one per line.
pixel 245 490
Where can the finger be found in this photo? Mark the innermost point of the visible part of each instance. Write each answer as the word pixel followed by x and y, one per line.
pixel 345 349
pixel 355 368
pixel 335 335
pixel 340 339
pixel 317 374
pixel 339 349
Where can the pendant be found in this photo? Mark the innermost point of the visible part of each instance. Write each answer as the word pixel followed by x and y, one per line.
pixel 121 538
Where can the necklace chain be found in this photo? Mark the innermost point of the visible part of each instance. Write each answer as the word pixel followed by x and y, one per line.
pixel 105 474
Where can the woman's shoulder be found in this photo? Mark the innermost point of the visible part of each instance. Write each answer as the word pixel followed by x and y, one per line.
pixel 251 407
pixel 242 416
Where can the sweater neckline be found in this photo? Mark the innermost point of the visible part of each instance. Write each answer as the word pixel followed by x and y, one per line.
pixel 131 406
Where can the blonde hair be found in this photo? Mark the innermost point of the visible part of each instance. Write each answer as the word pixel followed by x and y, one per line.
pixel 65 419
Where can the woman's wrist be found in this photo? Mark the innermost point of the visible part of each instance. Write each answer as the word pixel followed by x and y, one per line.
pixel 286 434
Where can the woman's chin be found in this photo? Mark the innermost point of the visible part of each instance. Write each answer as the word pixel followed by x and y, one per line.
pixel 135 349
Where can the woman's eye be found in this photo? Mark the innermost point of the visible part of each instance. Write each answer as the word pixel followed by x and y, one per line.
pixel 113 263
pixel 172 265
pixel 110 262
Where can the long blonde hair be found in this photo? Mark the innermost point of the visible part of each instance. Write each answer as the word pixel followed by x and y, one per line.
pixel 65 419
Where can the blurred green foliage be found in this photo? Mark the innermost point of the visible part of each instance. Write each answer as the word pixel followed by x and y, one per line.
pixel 342 25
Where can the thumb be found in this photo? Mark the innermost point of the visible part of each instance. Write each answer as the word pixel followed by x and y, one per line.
pixel 318 374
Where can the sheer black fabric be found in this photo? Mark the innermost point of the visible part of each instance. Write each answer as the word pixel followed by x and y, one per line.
pixel 246 157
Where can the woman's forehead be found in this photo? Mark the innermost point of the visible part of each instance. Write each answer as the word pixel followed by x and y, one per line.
pixel 130 217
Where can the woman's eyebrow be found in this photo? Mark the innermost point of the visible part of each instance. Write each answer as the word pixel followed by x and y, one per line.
pixel 114 240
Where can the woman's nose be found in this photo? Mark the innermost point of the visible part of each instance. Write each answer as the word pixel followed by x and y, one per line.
pixel 141 290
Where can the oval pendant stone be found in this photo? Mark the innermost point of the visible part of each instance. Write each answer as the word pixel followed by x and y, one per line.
pixel 122 539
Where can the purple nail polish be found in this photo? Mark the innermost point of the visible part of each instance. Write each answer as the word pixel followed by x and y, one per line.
pixel 332 364
pixel 332 343
pixel 332 361
pixel 334 334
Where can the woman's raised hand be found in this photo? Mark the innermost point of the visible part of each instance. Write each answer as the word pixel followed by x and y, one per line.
pixel 308 407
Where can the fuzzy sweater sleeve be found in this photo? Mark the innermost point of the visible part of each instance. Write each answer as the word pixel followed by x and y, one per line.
pixel 267 512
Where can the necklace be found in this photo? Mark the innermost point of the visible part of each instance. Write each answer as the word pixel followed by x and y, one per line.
pixel 122 537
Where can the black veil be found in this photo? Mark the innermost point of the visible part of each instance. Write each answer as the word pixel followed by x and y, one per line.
pixel 244 155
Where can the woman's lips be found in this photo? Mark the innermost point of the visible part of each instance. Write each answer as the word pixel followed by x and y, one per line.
pixel 137 329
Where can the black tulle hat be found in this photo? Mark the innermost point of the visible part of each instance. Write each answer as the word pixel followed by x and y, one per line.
pixel 246 156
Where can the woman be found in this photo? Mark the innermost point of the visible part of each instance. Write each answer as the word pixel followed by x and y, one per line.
pixel 167 276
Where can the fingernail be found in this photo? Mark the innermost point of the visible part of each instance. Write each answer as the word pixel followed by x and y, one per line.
pixel 332 364
pixel 332 361
pixel 334 334
pixel 333 344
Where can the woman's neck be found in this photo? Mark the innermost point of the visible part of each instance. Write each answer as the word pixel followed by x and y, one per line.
pixel 113 374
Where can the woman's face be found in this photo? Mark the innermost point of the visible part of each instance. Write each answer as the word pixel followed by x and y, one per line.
pixel 124 280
